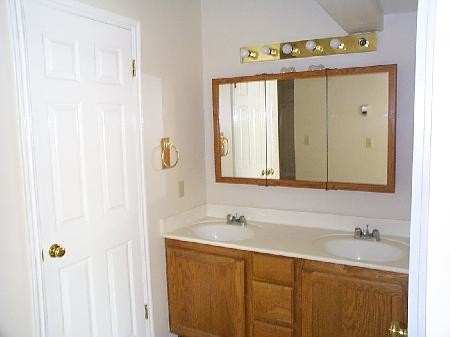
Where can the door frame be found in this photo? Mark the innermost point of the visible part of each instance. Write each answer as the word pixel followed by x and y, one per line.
pixel 417 294
pixel 24 112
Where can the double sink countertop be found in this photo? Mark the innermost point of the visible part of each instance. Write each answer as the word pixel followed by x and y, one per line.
pixel 301 242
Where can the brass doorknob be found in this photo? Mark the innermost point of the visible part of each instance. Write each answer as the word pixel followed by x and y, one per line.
pixel 396 330
pixel 56 250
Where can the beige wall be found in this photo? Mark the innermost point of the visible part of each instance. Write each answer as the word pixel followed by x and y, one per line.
pixel 228 25
pixel 172 97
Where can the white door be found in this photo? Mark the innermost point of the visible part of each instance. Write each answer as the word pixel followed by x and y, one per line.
pixel 87 167
pixel 273 158
pixel 249 129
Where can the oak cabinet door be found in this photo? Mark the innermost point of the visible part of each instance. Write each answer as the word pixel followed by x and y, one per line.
pixel 206 294
pixel 345 305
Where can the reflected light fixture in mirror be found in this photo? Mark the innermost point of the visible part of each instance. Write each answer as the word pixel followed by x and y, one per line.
pixel 285 70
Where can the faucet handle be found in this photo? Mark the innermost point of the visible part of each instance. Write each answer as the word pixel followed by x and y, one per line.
pixel 357 233
pixel 230 218
pixel 376 234
pixel 242 220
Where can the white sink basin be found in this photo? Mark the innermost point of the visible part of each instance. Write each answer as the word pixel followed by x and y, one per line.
pixel 222 232
pixel 345 246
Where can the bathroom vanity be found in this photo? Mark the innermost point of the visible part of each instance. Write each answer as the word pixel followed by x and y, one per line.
pixel 292 288
pixel 325 129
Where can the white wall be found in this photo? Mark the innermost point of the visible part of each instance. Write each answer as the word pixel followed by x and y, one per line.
pixel 438 277
pixel 172 97
pixel 15 277
pixel 228 25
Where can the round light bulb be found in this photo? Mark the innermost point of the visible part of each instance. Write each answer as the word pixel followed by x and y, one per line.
pixel 287 48
pixel 311 45
pixel 245 52
pixel 266 50
pixel 363 42
pixel 335 43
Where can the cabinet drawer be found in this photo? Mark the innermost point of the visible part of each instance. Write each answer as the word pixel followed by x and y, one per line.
pixel 261 329
pixel 273 268
pixel 272 302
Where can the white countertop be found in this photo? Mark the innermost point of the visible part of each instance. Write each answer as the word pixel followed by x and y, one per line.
pixel 293 241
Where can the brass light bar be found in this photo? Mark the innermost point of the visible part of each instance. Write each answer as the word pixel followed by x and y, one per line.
pixel 356 43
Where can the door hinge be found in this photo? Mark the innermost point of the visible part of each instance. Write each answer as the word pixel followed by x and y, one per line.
pixel 146 311
pixel 133 68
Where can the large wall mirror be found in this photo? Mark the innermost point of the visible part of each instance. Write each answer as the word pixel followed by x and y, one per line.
pixel 331 129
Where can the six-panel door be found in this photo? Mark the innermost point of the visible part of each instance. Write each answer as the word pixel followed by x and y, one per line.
pixel 87 165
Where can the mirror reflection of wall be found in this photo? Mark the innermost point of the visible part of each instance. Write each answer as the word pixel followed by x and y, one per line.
pixel 358 128
pixel 310 124
pixel 302 129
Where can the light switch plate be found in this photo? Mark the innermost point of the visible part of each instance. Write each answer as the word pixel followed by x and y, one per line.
pixel 181 189
pixel 307 140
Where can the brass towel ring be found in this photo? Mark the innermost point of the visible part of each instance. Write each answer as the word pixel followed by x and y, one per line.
pixel 166 146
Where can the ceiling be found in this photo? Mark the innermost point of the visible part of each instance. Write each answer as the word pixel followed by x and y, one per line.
pixel 398 6
pixel 357 16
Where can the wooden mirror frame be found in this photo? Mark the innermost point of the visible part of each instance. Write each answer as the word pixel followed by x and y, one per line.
pixel 391 69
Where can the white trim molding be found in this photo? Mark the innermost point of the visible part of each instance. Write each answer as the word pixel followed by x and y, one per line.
pixel 421 168
pixel 24 108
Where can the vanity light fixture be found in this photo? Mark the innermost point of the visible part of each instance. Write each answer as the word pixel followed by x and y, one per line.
pixel 311 45
pixel 266 50
pixel 334 45
pixel 363 42
pixel 288 49
pixel 246 53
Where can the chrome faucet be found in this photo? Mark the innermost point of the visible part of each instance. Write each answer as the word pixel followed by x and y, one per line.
pixel 235 219
pixel 365 234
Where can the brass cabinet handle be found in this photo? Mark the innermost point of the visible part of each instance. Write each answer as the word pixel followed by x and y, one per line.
pixel 396 330
pixel 267 172
pixel 56 250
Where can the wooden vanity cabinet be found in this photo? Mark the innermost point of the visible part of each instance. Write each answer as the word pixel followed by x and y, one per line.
pixel 338 300
pixel 220 292
pixel 206 289
pixel 273 296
